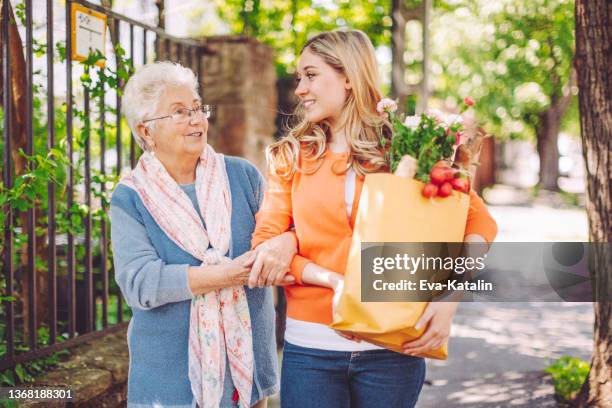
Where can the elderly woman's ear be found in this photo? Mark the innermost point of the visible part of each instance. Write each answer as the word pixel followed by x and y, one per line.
pixel 145 134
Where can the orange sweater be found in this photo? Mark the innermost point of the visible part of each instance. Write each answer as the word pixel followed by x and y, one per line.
pixel 315 205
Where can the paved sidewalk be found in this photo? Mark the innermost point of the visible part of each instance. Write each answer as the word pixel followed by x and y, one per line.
pixel 498 351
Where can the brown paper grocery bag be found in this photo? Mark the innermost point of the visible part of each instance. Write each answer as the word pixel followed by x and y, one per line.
pixel 392 209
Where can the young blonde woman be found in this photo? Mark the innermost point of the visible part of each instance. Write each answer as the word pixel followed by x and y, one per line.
pixel 315 180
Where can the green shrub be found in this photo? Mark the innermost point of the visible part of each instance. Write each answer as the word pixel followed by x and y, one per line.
pixel 568 374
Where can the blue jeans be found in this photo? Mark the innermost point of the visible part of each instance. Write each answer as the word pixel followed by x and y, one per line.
pixel 339 379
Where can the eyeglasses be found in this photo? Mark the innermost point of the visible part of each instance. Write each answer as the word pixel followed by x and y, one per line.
pixel 183 115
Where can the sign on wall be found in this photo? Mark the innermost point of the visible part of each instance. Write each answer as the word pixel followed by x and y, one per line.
pixel 88 33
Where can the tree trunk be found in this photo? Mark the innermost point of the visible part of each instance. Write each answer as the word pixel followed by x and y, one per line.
pixel 400 15
pixel 398 45
pixel 18 92
pixel 547 136
pixel 593 39
pixel 425 10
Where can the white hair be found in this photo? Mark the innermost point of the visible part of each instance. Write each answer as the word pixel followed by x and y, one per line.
pixel 142 92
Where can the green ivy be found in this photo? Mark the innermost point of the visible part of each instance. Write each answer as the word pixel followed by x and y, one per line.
pixel 26 372
pixel 30 189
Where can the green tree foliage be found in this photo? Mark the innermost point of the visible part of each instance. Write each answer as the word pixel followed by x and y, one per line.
pixel 286 25
pixel 514 57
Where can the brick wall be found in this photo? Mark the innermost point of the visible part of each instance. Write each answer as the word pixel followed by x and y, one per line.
pixel 239 79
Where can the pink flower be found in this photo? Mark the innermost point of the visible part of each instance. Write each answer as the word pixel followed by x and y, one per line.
pixel 386 106
pixel 458 137
pixel 452 119
pixel 469 101
pixel 436 114
pixel 412 122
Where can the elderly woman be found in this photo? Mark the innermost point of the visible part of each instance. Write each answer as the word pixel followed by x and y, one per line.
pixel 181 228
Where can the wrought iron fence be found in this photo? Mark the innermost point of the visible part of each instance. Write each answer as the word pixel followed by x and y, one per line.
pixel 61 238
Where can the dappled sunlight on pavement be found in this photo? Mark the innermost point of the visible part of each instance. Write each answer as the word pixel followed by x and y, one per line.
pixel 498 351
pixel 542 330
pixel 509 389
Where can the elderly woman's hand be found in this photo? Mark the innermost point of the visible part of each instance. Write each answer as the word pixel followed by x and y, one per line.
pixel 273 260
pixel 203 279
pixel 237 271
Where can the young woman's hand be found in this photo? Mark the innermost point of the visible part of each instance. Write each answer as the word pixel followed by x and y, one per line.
pixel 273 260
pixel 337 283
pixel 314 274
pixel 438 317
pixel 348 336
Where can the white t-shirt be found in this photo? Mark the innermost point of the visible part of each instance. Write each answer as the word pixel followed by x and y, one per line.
pixel 317 335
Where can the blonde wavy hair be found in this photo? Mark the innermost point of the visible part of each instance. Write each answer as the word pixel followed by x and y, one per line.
pixel 352 54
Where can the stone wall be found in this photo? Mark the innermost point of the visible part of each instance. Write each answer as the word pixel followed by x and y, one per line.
pixel 96 372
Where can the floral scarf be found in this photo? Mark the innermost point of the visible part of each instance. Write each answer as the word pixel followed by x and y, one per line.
pixel 220 323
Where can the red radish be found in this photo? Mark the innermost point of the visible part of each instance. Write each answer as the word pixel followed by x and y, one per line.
pixel 445 190
pixel 438 175
pixel 461 184
pixel 449 174
pixel 430 190
pixel 441 163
